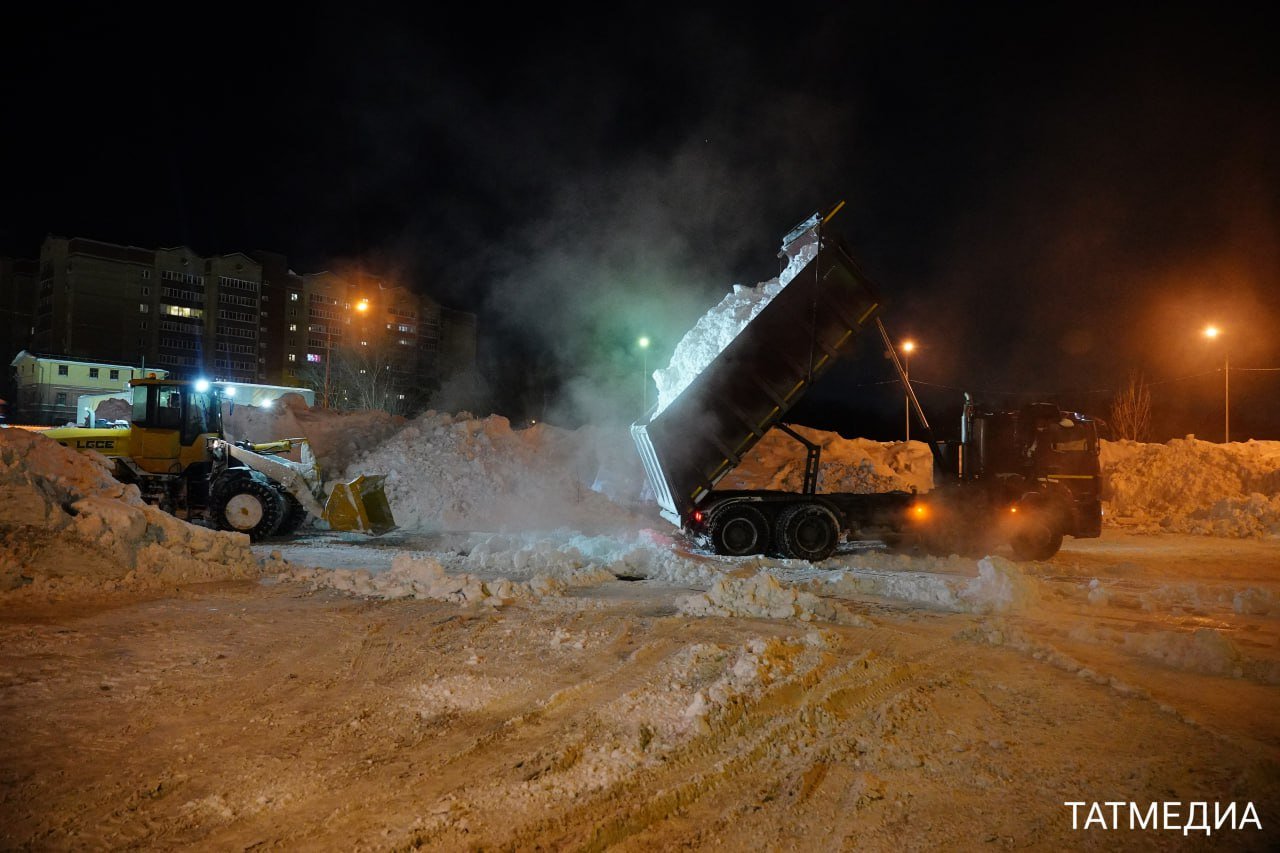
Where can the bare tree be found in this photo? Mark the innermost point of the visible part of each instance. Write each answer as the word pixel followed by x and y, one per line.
pixel 365 377
pixel 1131 409
pixel 373 376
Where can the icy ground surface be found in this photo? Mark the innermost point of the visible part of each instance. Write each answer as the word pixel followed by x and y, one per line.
pixel 533 643
pixel 593 680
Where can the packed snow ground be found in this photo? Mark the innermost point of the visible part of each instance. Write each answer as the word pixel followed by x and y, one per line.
pixel 592 679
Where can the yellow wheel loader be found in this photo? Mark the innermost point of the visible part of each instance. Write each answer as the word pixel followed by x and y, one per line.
pixel 175 452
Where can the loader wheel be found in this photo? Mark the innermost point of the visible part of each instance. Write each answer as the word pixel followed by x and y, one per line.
pixel 739 530
pixel 294 514
pixel 246 505
pixel 807 532
pixel 1037 537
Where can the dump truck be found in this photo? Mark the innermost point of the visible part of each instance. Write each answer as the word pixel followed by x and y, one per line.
pixel 175 451
pixel 1026 478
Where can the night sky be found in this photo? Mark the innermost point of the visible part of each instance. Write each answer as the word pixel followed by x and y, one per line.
pixel 1049 199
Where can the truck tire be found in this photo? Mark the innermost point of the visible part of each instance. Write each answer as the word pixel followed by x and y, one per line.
pixel 246 505
pixel 739 530
pixel 807 532
pixel 1038 536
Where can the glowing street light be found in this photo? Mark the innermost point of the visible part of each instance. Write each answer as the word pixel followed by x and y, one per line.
pixel 908 347
pixel 1212 333
pixel 362 306
pixel 643 343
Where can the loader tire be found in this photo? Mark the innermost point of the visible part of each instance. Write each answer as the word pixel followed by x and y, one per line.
pixel 294 514
pixel 807 532
pixel 739 530
pixel 246 505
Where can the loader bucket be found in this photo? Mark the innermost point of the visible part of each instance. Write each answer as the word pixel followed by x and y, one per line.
pixel 360 505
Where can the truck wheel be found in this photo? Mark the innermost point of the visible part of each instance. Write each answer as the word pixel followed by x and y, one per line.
pixel 246 505
pixel 739 530
pixel 807 532
pixel 1037 537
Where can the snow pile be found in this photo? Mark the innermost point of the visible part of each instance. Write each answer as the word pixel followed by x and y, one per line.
pixel 454 472
pixel 648 555
pixel 424 577
pixel 67 525
pixel 763 596
pixel 716 329
pixel 857 465
pixel 336 437
pixel 1000 585
pixel 1190 486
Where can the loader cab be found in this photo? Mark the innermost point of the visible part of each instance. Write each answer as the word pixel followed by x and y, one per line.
pixel 170 423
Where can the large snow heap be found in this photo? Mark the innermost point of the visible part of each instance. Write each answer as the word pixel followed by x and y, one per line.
pixel 336 437
pixel 67 525
pixel 1190 486
pixel 857 465
pixel 459 472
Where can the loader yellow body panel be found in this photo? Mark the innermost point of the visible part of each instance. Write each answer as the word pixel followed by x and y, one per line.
pixel 108 442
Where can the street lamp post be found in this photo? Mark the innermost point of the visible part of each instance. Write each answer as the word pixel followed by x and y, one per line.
pixel 907 348
pixel 643 343
pixel 1212 333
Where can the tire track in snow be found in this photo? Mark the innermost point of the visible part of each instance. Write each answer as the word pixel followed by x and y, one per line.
pixel 746 739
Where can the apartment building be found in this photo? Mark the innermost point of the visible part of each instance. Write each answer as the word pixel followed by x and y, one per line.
pixel 236 317
pixel 168 308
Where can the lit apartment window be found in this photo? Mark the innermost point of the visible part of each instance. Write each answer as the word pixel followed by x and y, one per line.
pixel 293 297
pixel 364 343
pixel 401 396
pixel 143 308
pixel 62 370
pixel 93 373
pixel 314 358
pixel 293 327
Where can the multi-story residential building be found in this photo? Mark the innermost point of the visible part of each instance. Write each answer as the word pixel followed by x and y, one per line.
pixel 171 308
pixel 240 318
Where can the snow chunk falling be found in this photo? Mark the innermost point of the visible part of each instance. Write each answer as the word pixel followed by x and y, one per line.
pixel 716 329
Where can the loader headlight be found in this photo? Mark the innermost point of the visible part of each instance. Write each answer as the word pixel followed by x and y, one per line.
pixel 202 385
pixel 919 512
pixel 228 391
